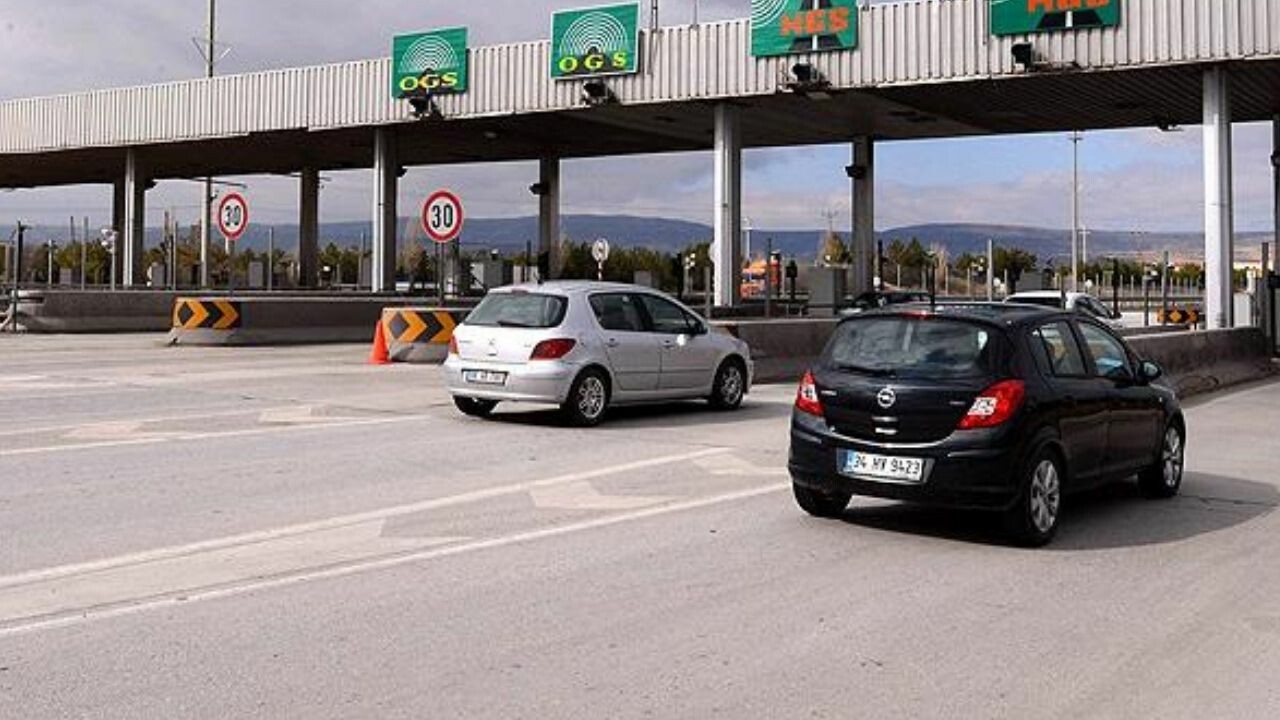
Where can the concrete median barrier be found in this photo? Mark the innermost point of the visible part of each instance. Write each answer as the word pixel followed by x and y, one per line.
pixel 273 321
pixel 89 311
pixel 1202 361
pixel 420 334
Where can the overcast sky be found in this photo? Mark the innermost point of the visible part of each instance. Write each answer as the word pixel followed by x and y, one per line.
pixel 1133 180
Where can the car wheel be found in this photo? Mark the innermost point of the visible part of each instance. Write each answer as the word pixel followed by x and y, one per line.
pixel 1164 478
pixel 475 407
pixel 820 504
pixel 1033 519
pixel 729 387
pixel 588 399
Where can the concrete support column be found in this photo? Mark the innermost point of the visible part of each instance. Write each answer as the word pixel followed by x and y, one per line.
pixel 1219 231
pixel 133 235
pixel 117 224
pixel 549 215
pixel 726 250
pixel 386 179
pixel 863 178
pixel 309 228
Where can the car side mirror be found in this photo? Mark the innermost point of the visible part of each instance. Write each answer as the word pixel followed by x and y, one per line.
pixel 1149 372
pixel 698 329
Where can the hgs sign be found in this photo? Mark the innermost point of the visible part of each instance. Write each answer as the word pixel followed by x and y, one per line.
pixel 1017 17
pixel 787 27
pixel 429 63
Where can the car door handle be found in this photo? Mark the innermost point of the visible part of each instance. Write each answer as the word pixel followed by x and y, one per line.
pixel 611 342
pixel 668 344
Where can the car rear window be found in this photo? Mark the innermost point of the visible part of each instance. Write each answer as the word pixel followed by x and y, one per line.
pixel 521 310
pixel 913 347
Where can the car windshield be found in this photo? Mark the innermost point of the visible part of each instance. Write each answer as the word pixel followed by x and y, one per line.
pixel 519 309
pixel 912 347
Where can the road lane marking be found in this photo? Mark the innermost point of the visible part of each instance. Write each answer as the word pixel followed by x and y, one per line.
pixel 215 414
pixel 582 495
pixel 93 614
pixel 195 436
pixel 345 520
pixel 734 466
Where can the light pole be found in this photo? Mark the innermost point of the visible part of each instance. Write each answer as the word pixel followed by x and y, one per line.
pixel 109 238
pixel 50 246
pixel 1076 139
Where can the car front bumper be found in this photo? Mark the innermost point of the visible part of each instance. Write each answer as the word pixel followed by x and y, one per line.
pixel 960 472
pixel 545 382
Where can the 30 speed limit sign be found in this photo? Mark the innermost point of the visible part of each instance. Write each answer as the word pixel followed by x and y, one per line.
pixel 442 216
pixel 233 216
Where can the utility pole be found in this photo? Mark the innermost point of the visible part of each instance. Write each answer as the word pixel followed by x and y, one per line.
pixel 991 269
pixel 1076 139
pixel 206 201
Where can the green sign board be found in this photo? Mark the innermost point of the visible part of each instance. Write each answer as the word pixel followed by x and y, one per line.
pixel 1016 17
pixel 595 41
pixel 788 27
pixel 429 63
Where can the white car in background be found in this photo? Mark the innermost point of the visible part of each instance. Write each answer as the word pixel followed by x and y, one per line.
pixel 1079 302
pixel 587 346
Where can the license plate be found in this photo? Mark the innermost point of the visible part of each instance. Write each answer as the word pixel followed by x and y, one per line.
pixel 484 377
pixel 881 467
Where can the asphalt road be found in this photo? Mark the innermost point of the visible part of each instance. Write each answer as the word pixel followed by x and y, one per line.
pixel 289 533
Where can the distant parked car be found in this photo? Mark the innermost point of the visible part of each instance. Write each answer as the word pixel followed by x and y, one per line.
pixel 1073 301
pixel 876 299
pixel 587 346
pixel 993 406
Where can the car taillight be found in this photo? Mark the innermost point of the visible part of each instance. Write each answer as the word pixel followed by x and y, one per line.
pixel 552 349
pixel 807 400
pixel 453 345
pixel 995 405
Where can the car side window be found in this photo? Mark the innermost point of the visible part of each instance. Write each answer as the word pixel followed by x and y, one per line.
pixel 1058 351
pixel 618 312
pixel 667 317
pixel 1110 359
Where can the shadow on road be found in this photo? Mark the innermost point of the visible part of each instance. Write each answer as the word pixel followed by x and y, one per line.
pixel 1115 516
pixel 665 415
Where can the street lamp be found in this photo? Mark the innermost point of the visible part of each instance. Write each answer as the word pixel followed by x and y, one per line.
pixel 109 238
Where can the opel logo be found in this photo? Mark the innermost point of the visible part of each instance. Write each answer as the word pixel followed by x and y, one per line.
pixel 886 398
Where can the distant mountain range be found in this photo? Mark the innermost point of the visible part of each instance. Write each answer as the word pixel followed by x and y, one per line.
pixel 509 235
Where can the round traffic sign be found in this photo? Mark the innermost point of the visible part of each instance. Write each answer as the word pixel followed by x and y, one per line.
pixel 233 216
pixel 600 250
pixel 442 216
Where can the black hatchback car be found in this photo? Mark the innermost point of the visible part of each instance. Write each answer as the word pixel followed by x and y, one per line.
pixel 982 406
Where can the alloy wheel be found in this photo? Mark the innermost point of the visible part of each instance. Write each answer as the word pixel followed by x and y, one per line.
pixel 1046 496
pixel 1173 457
pixel 591 397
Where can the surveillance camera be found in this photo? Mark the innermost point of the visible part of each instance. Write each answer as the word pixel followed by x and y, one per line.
pixel 539 189
pixel 856 172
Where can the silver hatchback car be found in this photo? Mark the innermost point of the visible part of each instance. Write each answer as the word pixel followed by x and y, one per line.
pixel 586 346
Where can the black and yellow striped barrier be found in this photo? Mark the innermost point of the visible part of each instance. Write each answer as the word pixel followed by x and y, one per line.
pixel 1178 316
pixel 196 314
pixel 417 334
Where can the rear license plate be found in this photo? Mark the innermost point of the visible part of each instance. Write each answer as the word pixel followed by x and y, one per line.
pixel 484 377
pixel 880 467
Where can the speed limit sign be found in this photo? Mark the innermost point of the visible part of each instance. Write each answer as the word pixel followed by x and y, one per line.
pixel 233 216
pixel 442 216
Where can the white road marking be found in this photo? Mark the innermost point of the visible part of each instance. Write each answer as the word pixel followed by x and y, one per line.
pixel 732 465
pixel 344 520
pixel 117 430
pixel 92 614
pixel 582 495
pixel 158 419
pixel 193 436
pixel 216 568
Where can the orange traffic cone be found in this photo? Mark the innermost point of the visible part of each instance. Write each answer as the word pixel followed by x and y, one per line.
pixel 378 354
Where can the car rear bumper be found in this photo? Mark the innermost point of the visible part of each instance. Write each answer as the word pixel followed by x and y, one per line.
pixel 545 382
pixel 957 473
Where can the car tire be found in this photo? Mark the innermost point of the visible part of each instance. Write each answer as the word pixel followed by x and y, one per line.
pixel 1164 479
pixel 475 407
pixel 588 399
pixel 820 504
pixel 1033 519
pixel 729 387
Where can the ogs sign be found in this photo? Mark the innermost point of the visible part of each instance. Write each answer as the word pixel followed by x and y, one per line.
pixel 429 63
pixel 595 41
